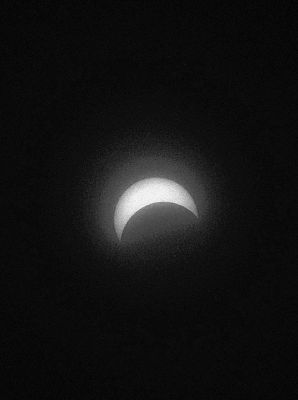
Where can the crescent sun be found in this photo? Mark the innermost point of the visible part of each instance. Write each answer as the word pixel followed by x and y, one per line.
pixel 149 191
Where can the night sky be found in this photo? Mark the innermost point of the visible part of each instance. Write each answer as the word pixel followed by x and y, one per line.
pixel 97 95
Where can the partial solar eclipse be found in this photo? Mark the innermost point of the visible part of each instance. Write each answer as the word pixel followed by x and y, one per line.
pixel 146 192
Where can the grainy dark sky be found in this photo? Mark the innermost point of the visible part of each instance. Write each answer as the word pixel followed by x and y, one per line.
pixel 86 86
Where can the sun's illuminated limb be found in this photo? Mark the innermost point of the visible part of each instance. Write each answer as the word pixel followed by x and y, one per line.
pixel 149 191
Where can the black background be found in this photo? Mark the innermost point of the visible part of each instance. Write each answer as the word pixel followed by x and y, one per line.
pixel 201 315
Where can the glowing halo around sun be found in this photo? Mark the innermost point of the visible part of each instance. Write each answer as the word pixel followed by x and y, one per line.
pixel 146 192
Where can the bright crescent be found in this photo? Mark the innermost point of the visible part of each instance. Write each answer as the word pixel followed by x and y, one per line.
pixel 149 191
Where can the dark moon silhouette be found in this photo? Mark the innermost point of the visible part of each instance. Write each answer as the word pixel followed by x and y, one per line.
pixel 160 222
